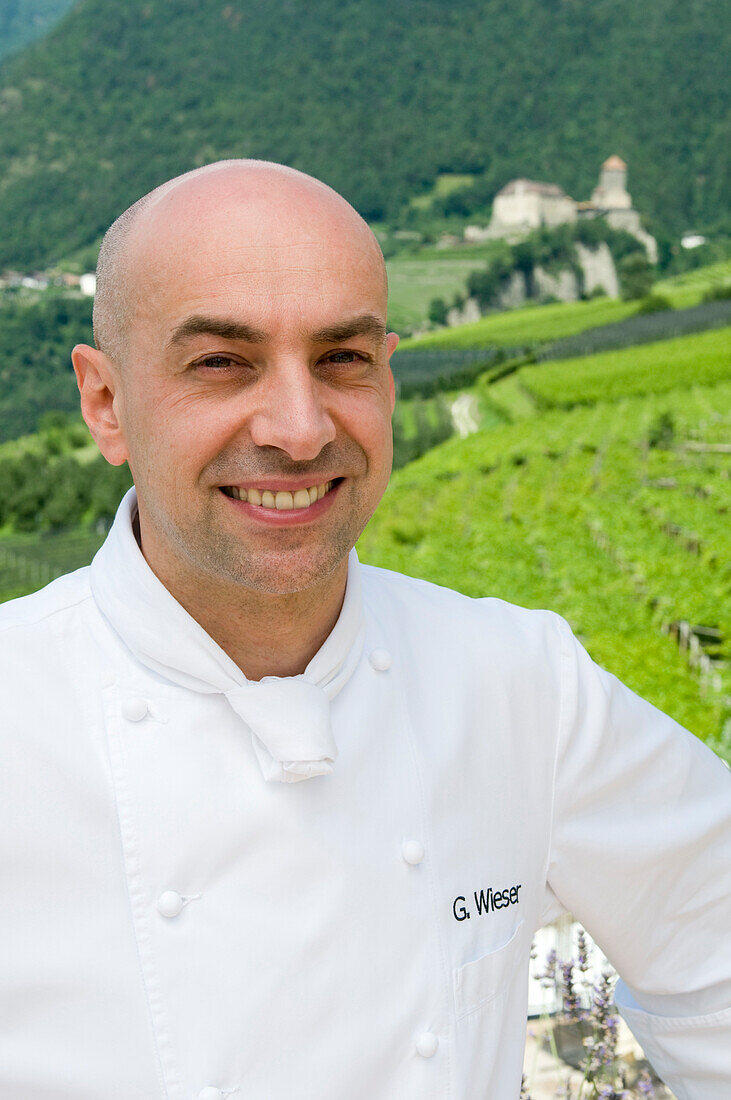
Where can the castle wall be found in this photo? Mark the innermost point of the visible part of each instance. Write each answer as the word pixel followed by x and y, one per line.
pixel 557 210
pixel 521 208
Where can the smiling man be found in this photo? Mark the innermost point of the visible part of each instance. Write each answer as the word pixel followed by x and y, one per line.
pixel 242 371
pixel 275 824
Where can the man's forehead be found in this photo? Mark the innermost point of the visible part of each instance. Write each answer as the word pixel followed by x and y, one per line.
pixel 252 216
pixel 231 249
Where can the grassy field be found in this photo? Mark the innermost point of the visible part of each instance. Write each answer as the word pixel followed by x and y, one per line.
pixel 610 513
pixel 414 280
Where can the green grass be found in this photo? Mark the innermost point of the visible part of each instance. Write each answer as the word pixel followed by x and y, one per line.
pixel 415 279
pixel 529 325
pixel 688 289
pixel 703 359
pixel 443 186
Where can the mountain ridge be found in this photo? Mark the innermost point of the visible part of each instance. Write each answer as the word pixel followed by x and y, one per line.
pixel 22 21
pixel 374 98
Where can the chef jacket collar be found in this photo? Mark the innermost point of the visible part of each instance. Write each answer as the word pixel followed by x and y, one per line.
pixel 289 717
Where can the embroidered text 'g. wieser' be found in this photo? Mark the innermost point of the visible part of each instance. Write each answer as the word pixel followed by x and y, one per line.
pixel 487 901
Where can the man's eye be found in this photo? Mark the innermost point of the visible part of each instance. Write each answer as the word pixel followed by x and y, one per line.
pixel 216 362
pixel 344 357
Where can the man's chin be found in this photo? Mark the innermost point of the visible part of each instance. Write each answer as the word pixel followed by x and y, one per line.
pixel 286 572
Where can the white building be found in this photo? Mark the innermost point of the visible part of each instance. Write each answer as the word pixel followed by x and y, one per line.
pixel 87 284
pixel 523 205
pixel 527 204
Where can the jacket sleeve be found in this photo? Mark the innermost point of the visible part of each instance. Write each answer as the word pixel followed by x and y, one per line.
pixel 641 855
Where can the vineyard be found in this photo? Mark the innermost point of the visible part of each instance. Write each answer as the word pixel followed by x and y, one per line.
pixel 28 562
pixel 613 512
pixel 650 368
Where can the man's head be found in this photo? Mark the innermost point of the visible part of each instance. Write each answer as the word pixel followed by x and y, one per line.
pixel 240 323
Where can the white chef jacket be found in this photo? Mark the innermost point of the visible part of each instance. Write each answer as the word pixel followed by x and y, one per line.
pixel 175 923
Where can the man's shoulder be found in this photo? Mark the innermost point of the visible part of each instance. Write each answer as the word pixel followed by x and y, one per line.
pixel 38 611
pixel 410 598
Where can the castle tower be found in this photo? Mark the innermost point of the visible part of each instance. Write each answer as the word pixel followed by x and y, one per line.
pixel 611 192
pixel 612 200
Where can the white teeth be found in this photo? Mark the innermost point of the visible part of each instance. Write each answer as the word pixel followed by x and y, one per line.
pixel 281 500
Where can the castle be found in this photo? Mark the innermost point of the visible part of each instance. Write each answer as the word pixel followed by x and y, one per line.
pixel 525 204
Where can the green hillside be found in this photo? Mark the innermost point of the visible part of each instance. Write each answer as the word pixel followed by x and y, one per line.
pixel 613 513
pixel 22 21
pixel 378 99
pixel 36 338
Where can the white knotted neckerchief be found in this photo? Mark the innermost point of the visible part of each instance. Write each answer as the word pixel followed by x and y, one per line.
pixel 288 717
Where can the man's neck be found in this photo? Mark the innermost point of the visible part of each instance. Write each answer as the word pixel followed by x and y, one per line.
pixel 270 636
pixel 264 634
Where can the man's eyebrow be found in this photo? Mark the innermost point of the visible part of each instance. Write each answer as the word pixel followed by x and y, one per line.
pixel 367 324
pixel 198 325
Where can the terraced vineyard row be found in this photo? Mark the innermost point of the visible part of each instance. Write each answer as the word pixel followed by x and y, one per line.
pixel 575 511
pixel 28 562
pixel 649 368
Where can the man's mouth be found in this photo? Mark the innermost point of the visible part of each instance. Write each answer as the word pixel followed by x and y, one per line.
pixel 281 500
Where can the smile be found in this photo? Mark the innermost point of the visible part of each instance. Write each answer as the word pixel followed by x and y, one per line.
pixel 280 500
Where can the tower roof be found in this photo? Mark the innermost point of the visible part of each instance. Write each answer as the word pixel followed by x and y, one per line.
pixel 614 164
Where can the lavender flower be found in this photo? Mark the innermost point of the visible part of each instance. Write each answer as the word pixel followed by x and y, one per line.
pixel 524 1094
pixel 645 1086
pixel 571 1001
pixel 582 951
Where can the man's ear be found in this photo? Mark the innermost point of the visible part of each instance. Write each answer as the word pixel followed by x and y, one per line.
pixel 98 384
pixel 391 343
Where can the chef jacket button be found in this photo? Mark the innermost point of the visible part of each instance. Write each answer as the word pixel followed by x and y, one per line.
pixel 134 710
pixel 170 903
pixel 380 660
pixel 210 1092
pixel 426 1044
pixel 412 851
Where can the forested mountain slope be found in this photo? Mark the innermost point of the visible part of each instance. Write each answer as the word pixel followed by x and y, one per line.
pixel 375 97
pixel 21 21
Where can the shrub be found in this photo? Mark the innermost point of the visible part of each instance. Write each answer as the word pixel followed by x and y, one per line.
pixel 654 303
pixel 636 275
pixel 720 293
pixel 661 433
pixel 438 311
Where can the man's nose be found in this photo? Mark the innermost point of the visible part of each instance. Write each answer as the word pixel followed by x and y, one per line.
pixel 292 413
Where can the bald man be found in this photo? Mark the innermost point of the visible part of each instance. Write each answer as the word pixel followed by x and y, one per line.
pixel 277 825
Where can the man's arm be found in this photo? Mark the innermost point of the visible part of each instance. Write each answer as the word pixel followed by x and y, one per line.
pixel 641 855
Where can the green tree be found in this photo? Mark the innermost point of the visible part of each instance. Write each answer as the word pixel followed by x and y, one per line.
pixel 636 275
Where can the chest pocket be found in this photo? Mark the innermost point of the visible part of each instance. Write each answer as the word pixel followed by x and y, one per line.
pixel 484 980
